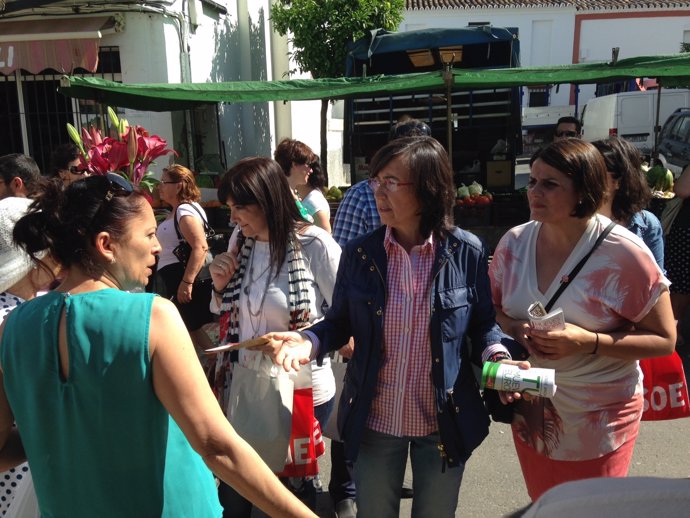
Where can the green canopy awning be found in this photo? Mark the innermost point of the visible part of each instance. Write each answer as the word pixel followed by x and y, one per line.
pixel 180 96
pixel 670 71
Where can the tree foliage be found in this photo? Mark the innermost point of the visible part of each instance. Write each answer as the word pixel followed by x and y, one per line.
pixel 320 30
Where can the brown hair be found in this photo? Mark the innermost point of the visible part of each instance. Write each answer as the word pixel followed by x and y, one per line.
pixel 583 163
pixel 291 150
pixel 624 162
pixel 66 221
pixel 432 175
pixel 188 189
pixel 260 181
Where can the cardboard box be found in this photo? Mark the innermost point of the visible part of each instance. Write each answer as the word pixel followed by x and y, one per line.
pixel 499 175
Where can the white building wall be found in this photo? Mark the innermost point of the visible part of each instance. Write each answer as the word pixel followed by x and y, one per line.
pixel 635 33
pixel 149 53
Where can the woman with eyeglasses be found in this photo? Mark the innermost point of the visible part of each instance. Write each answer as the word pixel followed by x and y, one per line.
pixel 278 273
pixel 114 411
pixel 301 166
pixel 184 284
pixel 66 164
pixel 409 293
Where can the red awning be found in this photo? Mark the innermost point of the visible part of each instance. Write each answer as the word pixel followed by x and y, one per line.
pixel 61 44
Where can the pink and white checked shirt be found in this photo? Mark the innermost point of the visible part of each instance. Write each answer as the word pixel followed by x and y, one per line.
pixel 403 404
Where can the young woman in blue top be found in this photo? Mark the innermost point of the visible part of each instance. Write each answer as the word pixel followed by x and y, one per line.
pixel 628 194
pixel 113 409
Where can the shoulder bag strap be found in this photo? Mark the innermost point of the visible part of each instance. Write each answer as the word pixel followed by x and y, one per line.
pixel 207 229
pixel 569 278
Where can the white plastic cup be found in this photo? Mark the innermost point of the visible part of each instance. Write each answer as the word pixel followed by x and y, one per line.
pixel 511 378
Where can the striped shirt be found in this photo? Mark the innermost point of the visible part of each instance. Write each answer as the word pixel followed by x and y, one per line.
pixel 403 403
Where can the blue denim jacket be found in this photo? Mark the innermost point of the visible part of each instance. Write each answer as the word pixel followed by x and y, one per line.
pixel 460 304
pixel 647 226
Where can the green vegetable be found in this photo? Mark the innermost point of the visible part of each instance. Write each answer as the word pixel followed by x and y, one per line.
pixel 335 193
pixel 463 191
pixel 475 188
pixel 660 179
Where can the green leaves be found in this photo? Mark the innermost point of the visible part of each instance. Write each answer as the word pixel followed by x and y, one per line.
pixel 321 30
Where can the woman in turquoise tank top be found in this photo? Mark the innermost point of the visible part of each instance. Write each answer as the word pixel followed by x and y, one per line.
pixel 113 409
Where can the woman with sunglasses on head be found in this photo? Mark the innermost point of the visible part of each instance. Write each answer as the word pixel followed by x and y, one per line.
pixel 66 164
pixel 128 425
pixel 301 166
pixel 277 275
pixel 409 293
pixel 176 280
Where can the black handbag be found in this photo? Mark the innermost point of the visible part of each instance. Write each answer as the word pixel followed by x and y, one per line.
pixel 184 250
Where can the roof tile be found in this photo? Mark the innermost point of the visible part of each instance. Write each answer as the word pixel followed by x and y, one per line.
pixel 579 5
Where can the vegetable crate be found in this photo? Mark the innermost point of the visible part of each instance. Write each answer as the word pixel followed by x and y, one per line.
pixel 472 216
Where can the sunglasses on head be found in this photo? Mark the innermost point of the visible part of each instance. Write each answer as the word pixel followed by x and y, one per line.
pixel 567 134
pixel 74 169
pixel 119 186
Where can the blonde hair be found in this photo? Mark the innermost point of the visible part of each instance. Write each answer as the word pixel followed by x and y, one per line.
pixel 189 190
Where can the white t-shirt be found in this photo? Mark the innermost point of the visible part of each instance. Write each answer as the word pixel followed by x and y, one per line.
pixel 315 202
pixel 167 236
pixel 322 255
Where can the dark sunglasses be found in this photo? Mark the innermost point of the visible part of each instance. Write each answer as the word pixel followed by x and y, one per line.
pixel 412 128
pixel 74 169
pixel 567 134
pixel 119 186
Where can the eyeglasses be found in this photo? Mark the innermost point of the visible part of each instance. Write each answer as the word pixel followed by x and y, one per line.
pixel 74 169
pixel 567 134
pixel 388 184
pixel 168 181
pixel 119 186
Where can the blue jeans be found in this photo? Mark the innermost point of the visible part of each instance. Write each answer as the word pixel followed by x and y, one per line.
pixel 380 470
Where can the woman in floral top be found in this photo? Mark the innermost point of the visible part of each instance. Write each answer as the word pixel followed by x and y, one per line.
pixel 617 311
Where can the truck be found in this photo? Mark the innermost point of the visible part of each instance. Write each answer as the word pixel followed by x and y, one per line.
pixel 483 134
pixel 631 115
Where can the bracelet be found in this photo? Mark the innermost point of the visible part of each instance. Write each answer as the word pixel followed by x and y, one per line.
pixel 186 282
pixel 596 344
pixel 217 292
pixel 498 356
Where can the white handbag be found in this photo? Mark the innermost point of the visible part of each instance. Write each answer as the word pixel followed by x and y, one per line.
pixel 260 409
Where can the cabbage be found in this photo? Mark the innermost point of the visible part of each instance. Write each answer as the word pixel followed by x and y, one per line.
pixel 475 188
pixel 463 191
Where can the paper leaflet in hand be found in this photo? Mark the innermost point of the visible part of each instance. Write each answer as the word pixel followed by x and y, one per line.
pixel 541 320
pixel 245 344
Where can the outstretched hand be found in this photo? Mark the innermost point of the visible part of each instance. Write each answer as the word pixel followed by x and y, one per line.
pixel 289 349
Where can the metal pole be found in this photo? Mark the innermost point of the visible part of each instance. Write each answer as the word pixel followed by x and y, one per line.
pixel 655 152
pixel 448 80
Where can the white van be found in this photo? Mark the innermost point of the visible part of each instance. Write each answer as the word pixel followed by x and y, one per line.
pixel 630 115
